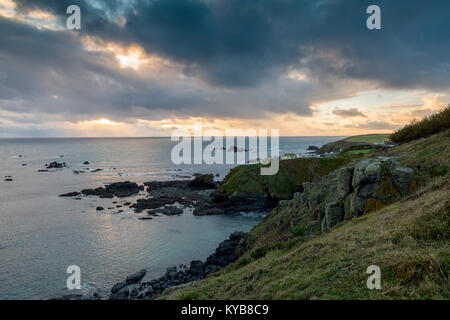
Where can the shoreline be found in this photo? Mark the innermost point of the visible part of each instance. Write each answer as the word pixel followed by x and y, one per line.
pixel 169 198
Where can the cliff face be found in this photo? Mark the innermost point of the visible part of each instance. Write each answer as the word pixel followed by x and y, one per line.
pixel 289 179
pixel 349 192
pixel 352 191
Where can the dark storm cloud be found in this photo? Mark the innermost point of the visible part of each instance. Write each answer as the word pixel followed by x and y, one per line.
pixel 239 43
pixel 52 71
pixel 238 49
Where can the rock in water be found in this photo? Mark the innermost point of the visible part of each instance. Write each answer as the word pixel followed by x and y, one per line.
pixel 204 181
pixel 312 148
pixel 123 189
pixel 56 165
pixel 117 287
pixel 70 194
pixel 136 277
pixel 119 189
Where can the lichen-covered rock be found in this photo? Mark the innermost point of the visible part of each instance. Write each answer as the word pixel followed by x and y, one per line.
pixel 366 171
pixel 351 191
pixel 334 213
pixel 402 178
pixel 345 178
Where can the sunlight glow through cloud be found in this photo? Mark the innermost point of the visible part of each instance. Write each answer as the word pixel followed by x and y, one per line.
pixel 102 121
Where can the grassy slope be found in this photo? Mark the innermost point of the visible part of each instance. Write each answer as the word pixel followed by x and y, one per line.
pixel 369 138
pixel 409 240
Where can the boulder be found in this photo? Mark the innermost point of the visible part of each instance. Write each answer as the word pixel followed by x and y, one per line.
pixel 118 286
pixel 55 165
pixel 204 181
pixel 135 277
pixel 196 267
pixel 123 189
pixel 402 178
pixel 366 171
pixel 171 273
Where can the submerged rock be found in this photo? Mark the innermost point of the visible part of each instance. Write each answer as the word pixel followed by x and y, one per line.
pixel 70 194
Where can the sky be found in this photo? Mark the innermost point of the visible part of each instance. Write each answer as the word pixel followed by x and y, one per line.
pixel 147 68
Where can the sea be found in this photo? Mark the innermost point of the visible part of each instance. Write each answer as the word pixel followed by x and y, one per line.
pixel 41 234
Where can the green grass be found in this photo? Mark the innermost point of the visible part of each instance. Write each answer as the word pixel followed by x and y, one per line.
pixel 368 138
pixel 429 157
pixel 359 152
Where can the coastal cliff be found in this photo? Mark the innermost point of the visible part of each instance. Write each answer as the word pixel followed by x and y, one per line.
pixel 388 209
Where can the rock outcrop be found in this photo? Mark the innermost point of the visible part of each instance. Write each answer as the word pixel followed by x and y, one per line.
pixel 118 189
pixel 204 181
pixel 352 191
pixel 55 165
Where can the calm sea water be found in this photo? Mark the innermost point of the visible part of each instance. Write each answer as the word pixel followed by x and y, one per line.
pixel 42 234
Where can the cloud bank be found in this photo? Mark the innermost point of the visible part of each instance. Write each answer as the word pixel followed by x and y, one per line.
pixel 216 58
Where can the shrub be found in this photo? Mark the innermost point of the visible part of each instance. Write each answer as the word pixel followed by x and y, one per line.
pixel 419 129
pixel 299 231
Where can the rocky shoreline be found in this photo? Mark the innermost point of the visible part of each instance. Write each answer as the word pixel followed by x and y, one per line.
pixel 171 197
pixel 133 288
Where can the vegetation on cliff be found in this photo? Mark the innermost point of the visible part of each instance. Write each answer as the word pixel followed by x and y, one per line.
pixel 362 144
pixel 293 254
pixel 289 179
pixel 420 129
